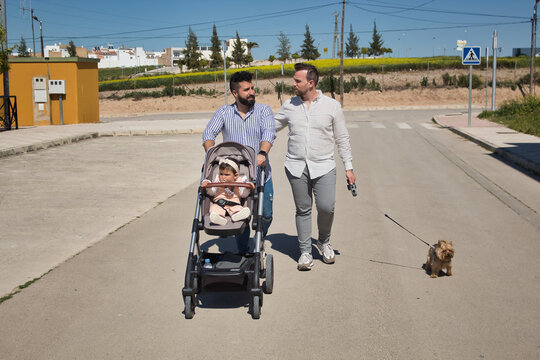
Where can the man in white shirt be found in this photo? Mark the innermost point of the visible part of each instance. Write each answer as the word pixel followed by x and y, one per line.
pixel 315 122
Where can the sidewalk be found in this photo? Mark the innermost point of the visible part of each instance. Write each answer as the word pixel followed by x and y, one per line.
pixel 514 146
pixel 41 137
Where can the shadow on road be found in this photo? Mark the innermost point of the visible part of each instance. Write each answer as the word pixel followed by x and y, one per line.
pixel 284 243
pixel 223 296
pixel 519 150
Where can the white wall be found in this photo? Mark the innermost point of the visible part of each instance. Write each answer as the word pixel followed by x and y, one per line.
pixel 127 58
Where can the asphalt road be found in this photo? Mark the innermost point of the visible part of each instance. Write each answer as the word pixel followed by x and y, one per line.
pixel 121 297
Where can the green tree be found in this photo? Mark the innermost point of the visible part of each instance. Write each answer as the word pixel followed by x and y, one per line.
pixel 295 56
pixel 216 59
pixel 4 51
pixel 364 51
pixel 308 50
pixel 351 47
pixel 271 58
pixel 192 54
pixel 248 59
pixel 72 49
pixel 237 54
pixel 376 45
pixel 250 45
pixel 284 47
pixel 22 48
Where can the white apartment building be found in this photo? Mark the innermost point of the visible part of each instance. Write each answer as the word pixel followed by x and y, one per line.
pixel 60 50
pixel 131 57
pixel 124 57
pixel 56 49
pixel 178 52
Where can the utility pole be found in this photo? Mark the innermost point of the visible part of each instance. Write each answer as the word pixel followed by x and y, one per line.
pixel 32 21
pixel 3 23
pixel 341 95
pixel 172 70
pixel 40 35
pixel 533 48
pixel 33 37
pixel 225 68
pixel 494 77
pixel 336 14
pixel 487 75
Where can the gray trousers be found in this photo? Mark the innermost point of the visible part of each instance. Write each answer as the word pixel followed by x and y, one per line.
pixel 324 190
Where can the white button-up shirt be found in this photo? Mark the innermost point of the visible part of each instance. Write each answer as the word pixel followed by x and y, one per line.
pixel 312 133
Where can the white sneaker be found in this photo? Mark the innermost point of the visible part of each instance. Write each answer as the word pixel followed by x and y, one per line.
pixel 217 219
pixel 327 252
pixel 305 262
pixel 241 215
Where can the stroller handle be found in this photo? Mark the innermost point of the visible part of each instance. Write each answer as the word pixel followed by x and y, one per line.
pixel 229 184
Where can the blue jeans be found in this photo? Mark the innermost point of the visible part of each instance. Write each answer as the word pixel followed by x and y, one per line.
pixel 242 240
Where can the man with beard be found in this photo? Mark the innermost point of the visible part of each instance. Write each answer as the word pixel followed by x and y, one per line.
pixel 315 122
pixel 251 124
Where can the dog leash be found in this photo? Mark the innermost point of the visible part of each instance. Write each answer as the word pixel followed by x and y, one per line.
pixel 401 226
pixel 352 189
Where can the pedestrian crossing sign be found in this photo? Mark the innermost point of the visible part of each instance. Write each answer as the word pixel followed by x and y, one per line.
pixel 470 55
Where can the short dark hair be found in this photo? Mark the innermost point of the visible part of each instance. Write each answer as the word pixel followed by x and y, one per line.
pixel 312 72
pixel 238 77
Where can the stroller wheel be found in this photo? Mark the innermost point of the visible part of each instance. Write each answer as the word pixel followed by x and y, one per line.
pixel 256 307
pixel 269 274
pixel 189 309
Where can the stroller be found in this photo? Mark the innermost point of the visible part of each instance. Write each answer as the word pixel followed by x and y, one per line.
pixel 246 268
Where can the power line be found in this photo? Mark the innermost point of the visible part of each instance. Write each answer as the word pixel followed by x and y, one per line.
pixel 443 11
pixel 118 40
pixel 414 7
pixel 236 21
pixel 404 17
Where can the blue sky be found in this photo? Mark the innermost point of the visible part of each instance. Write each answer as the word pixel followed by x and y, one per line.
pixel 410 28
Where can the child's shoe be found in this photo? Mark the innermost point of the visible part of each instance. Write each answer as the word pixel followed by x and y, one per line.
pixel 241 215
pixel 217 219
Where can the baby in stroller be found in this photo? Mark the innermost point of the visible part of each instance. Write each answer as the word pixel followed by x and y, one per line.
pixel 232 167
pixel 227 200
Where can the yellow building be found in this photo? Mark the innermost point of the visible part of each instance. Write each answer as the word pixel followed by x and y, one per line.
pixel 54 91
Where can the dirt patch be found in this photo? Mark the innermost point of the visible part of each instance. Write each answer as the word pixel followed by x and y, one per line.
pixel 399 90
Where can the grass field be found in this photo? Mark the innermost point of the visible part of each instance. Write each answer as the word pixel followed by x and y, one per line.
pixel 522 116
pixel 325 66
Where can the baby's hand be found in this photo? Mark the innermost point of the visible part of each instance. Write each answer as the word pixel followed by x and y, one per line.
pixel 205 181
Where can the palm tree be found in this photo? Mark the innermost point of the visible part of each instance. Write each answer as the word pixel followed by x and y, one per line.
pixel 250 45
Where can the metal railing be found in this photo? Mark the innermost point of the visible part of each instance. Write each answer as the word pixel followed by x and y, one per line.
pixel 8 116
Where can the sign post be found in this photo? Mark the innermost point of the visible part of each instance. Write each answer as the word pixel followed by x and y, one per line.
pixel 470 56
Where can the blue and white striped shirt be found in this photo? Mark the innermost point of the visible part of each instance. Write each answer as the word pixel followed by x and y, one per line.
pixel 257 126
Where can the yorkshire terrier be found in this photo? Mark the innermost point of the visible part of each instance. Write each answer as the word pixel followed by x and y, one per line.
pixel 440 257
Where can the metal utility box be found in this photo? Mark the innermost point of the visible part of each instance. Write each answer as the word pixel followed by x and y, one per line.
pixel 40 97
pixel 57 87
pixel 40 89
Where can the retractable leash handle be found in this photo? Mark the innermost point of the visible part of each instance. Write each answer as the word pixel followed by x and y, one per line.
pixel 352 188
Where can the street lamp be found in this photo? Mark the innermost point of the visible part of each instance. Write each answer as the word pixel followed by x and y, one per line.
pixel 40 34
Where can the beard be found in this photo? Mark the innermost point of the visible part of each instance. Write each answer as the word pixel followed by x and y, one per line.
pixel 249 101
pixel 299 92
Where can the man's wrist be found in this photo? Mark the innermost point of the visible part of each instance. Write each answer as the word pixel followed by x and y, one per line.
pixel 262 152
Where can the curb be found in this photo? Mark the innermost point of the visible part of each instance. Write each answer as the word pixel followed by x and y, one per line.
pixel 91 135
pixel 505 154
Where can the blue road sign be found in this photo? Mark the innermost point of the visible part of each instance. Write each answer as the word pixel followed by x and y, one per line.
pixel 470 55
